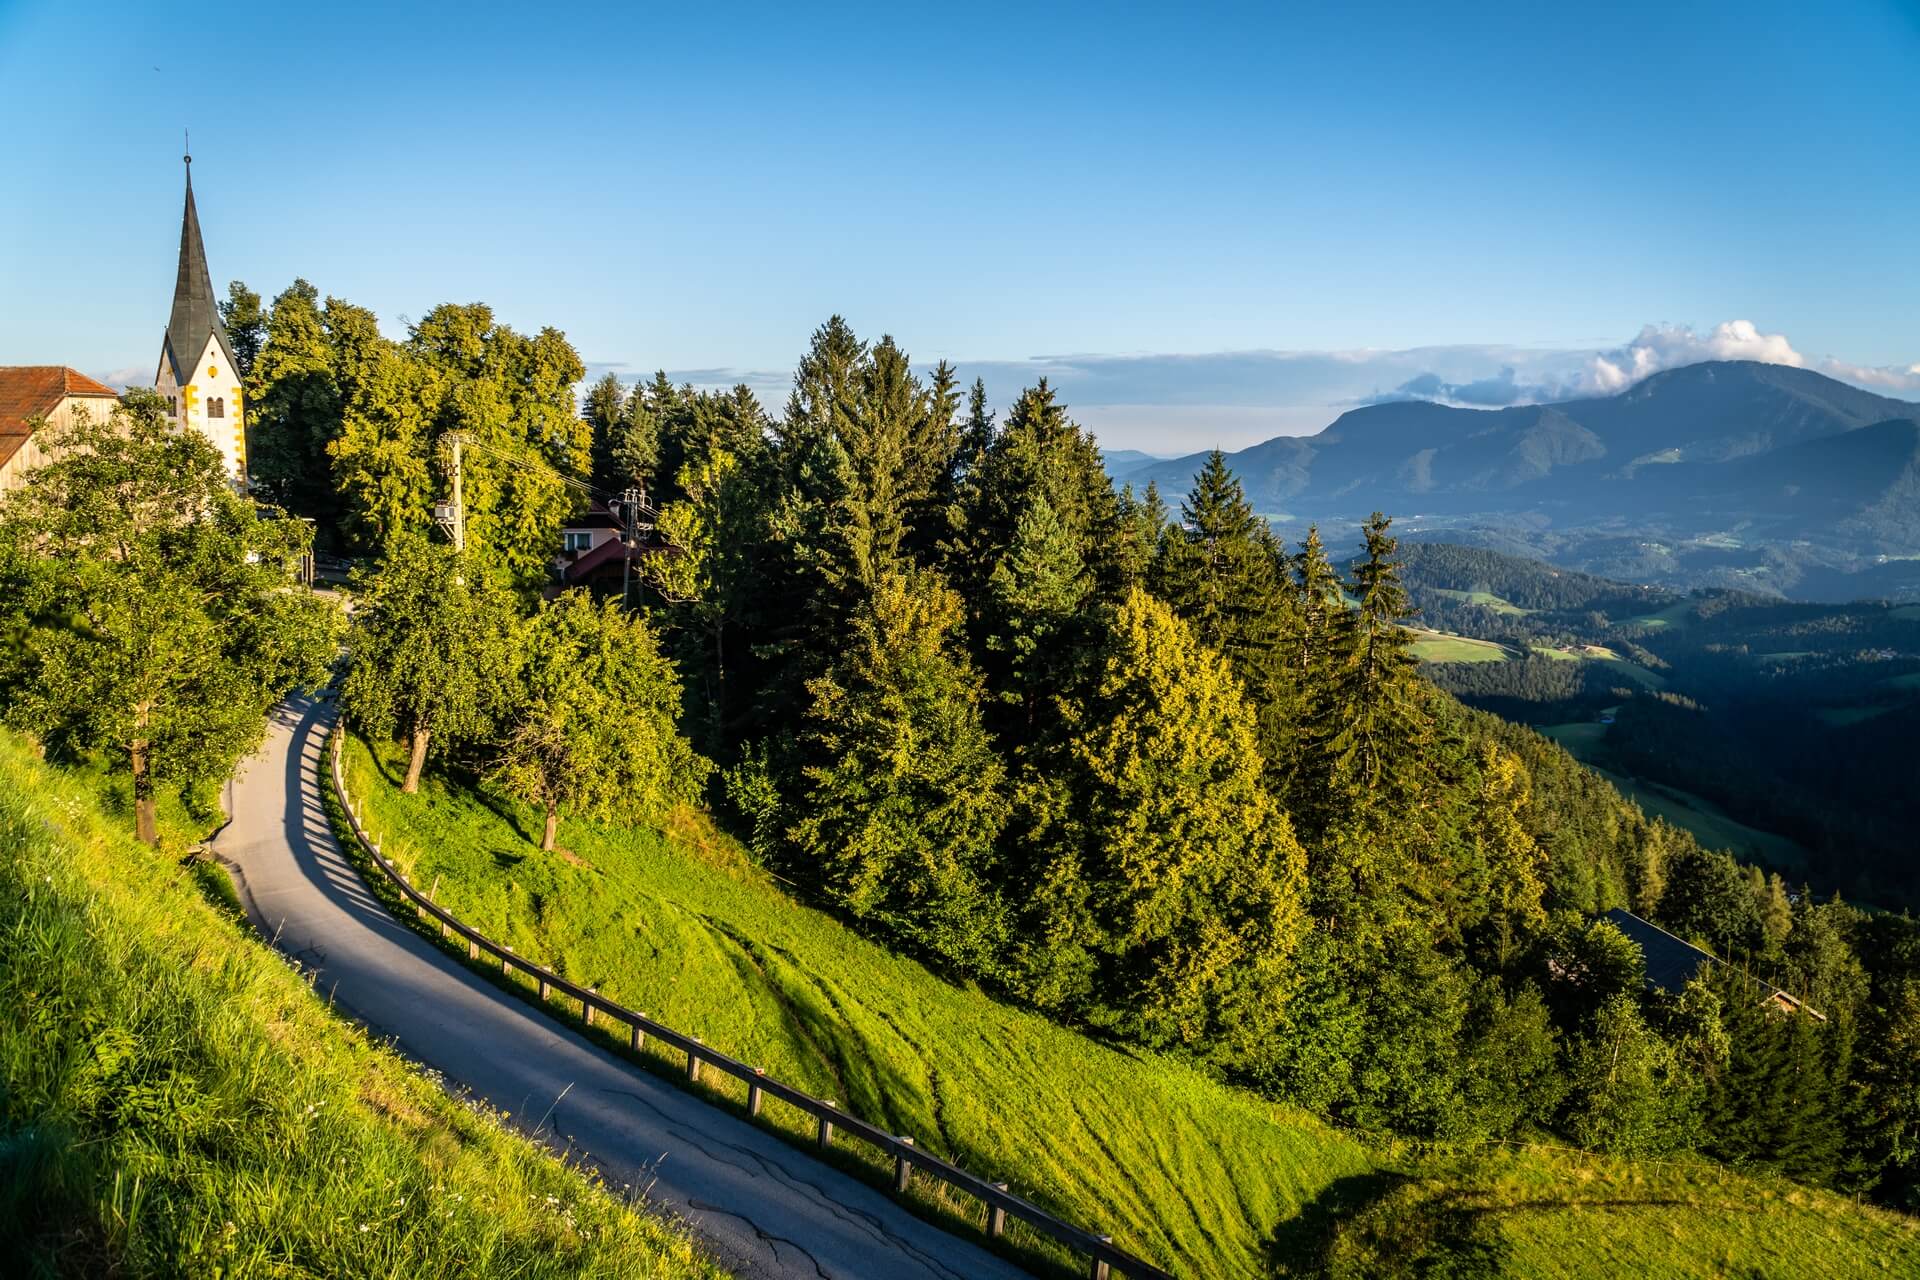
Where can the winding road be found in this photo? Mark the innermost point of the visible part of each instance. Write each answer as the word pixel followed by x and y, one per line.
pixel 761 1207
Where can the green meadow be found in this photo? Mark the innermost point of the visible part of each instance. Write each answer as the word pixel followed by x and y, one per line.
pixel 1485 599
pixel 176 1101
pixel 1204 1179
pixel 1432 646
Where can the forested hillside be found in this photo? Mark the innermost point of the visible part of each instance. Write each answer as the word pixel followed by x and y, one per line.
pixel 1794 718
pixel 1143 770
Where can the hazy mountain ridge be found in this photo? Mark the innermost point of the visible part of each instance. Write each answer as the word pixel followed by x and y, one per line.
pixel 1782 472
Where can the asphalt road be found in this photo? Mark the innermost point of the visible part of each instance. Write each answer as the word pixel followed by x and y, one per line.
pixel 762 1207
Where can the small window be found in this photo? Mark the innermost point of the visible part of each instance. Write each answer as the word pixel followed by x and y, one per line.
pixel 216 408
pixel 578 540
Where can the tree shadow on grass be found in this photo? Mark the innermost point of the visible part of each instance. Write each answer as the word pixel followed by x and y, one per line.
pixel 1389 1226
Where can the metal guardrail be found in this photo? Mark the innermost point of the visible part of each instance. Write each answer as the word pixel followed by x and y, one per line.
pixel 1106 1258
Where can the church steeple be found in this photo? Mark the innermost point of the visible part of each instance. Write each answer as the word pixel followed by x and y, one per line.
pixel 198 376
pixel 195 317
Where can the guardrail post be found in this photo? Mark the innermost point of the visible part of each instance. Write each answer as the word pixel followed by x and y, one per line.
pixel 902 1171
pixel 639 1035
pixel 753 1094
pixel 586 1008
pixel 473 949
pixel 1099 1264
pixel 996 1216
pixel 823 1133
pixel 693 1060
pixel 506 962
pixel 544 990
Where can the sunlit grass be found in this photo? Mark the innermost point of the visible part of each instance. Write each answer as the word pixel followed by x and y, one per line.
pixel 1203 1179
pixel 176 1101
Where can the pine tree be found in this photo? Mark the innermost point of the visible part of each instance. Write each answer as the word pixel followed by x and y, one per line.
pixel 1034 615
pixel 603 409
pixel 931 480
pixel 1143 523
pixel 1189 876
pixel 1221 570
pixel 903 797
pixel 1369 753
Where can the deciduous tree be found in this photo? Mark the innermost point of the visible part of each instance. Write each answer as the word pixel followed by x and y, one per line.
pixel 157 612
pixel 432 654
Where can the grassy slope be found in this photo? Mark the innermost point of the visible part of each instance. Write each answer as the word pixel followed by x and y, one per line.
pixel 1200 1177
pixel 1432 646
pixel 1485 599
pixel 175 1100
pixel 1711 825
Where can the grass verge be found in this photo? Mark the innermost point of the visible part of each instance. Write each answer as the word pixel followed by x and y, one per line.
pixel 175 1099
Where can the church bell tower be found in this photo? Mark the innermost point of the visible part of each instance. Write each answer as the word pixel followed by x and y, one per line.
pixel 198 376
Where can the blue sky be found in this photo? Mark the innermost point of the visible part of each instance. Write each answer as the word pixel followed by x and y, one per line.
pixel 696 187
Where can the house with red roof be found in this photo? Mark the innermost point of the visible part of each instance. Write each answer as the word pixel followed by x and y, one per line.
pixel 36 402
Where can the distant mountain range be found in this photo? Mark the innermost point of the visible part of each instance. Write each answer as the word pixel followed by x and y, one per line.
pixel 1727 473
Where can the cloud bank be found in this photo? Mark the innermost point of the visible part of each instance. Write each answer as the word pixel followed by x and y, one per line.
pixel 1176 404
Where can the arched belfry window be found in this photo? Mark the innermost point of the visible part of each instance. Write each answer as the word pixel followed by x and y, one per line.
pixel 216 408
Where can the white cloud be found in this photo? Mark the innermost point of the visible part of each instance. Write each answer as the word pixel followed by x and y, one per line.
pixel 1668 346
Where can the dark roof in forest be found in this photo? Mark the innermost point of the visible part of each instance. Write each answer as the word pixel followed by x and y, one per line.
pixel 195 315
pixel 1671 963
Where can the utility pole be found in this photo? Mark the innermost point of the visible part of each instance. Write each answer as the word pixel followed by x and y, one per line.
pixel 629 502
pixel 452 516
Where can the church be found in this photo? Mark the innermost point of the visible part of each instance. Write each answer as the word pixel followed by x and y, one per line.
pixel 198 376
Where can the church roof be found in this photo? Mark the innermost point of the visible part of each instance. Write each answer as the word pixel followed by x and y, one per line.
pixel 195 317
pixel 34 391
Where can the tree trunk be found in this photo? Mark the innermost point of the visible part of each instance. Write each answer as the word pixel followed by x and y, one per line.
pixel 553 825
pixel 145 827
pixel 417 761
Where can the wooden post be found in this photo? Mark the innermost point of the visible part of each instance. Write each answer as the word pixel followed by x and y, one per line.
pixel 506 962
pixel 902 1171
pixel 823 1134
pixel 639 1034
pixel 753 1094
pixel 473 949
pixel 693 1061
pixel 586 1009
pixel 997 1216
pixel 1099 1264
pixel 544 990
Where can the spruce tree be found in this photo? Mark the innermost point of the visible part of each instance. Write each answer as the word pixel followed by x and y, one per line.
pixel 1369 751
pixel 1035 627
pixel 902 796
pixel 602 409
pixel 1222 571
pixel 1187 874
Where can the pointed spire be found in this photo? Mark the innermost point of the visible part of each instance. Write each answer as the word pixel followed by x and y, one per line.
pixel 195 316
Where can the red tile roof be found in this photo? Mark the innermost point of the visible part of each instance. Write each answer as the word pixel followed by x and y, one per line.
pixel 33 391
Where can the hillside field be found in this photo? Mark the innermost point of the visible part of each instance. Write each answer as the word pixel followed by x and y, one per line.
pixel 176 1100
pixel 1706 821
pixel 1204 1179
